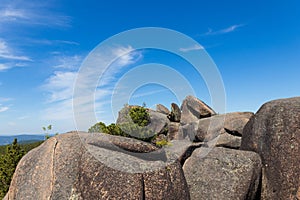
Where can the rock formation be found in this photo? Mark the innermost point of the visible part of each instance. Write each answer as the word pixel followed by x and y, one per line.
pixel 274 133
pixel 193 109
pixel 206 156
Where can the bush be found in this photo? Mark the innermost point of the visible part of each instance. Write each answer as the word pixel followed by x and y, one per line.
pixel 136 119
pixel 99 127
pixel 139 115
pixel 162 143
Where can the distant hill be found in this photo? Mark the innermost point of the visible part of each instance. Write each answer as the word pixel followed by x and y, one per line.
pixel 4 140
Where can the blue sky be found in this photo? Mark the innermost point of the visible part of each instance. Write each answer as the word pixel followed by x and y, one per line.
pixel 254 44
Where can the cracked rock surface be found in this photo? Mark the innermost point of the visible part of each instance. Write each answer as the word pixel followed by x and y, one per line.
pixel 67 167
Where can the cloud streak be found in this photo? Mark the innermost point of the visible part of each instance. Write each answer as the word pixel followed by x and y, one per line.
pixel 31 14
pixel 3 108
pixel 224 31
pixel 192 48
pixel 7 53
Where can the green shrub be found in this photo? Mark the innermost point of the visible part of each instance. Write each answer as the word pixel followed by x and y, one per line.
pixel 99 127
pixel 139 115
pixel 162 143
pixel 134 125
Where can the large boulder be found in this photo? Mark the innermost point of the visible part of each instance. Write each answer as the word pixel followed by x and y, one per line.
pixel 227 126
pixel 162 109
pixel 274 133
pixel 222 174
pixel 193 109
pixel 97 166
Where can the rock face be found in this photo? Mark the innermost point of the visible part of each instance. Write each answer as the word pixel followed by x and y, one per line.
pixel 173 130
pixel 232 123
pixel 175 114
pixel 193 109
pixel 162 109
pixel 223 174
pixel 274 133
pixel 76 166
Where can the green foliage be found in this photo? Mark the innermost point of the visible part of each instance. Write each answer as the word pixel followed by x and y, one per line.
pixel 26 146
pixel 46 130
pixel 114 129
pixel 8 164
pixel 111 129
pixel 136 118
pixel 99 127
pixel 133 130
pixel 162 143
pixel 139 115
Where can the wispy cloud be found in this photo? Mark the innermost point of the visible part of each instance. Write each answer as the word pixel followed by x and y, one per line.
pixel 51 42
pixel 69 62
pixel 60 85
pixel 5 99
pixel 8 53
pixel 192 48
pixel 37 13
pixel 225 30
pixel 148 93
pixel 3 108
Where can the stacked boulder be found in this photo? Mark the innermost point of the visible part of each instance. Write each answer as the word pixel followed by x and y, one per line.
pixel 235 155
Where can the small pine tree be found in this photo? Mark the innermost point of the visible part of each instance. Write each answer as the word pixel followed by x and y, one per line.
pixel 8 164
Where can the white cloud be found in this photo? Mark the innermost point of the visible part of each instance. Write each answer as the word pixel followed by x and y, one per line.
pixel 69 62
pixel 8 54
pixel 192 48
pixel 32 14
pixel 4 67
pixel 60 85
pixel 12 14
pixel 4 99
pixel 3 108
pixel 225 30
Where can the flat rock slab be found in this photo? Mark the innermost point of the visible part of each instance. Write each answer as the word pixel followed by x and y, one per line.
pixel 222 174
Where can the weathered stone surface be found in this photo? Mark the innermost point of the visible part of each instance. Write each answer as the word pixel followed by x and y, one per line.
pixel 193 109
pixel 158 121
pixel 232 123
pixel 173 131
pixel 222 174
pixel 96 166
pixel 162 109
pixel 274 133
pixel 226 140
pixel 175 114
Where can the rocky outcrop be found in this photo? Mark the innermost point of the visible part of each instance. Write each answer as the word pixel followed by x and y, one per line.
pixel 274 133
pixel 193 109
pixel 96 166
pixel 175 114
pixel 222 174
pixel 162 109
pixel 204 156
